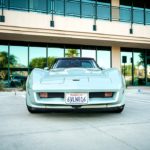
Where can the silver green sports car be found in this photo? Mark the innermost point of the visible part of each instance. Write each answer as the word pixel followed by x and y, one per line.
pixel 75 83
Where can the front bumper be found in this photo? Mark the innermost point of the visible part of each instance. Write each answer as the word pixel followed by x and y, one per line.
pixel 58 104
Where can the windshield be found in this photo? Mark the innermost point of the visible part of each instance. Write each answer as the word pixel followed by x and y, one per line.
pixel 75 63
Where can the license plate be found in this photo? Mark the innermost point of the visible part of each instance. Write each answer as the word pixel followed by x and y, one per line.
pixel 76 98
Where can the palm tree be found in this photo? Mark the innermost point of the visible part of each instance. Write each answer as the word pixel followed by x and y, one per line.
pixel 72 53
pixel 4 62
pixel 4 59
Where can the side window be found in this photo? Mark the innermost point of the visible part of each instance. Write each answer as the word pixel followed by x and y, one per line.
pixel 86 64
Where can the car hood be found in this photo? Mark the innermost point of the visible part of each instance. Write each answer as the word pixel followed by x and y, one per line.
pixel 73 74
pixel 75 78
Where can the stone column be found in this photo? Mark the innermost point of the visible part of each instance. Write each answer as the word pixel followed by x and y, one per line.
pixel 115 9
pixel 116 57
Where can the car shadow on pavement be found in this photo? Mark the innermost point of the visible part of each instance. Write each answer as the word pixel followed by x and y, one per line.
pixel 76 113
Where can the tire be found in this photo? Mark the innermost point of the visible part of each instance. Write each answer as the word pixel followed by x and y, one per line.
pixel 119 109
pixel 32 110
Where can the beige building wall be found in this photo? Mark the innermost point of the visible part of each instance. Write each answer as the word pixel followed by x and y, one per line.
pixel 36 27
pixel 115 9
pixel 115 3
pixel 116 57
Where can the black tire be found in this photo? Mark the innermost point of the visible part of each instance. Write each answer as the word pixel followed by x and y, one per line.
pixel 119 109
pixel 32 110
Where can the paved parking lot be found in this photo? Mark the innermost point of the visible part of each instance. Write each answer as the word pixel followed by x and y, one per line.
pixel 130 130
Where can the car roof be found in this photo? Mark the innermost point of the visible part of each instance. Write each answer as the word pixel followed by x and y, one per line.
pixel 64 58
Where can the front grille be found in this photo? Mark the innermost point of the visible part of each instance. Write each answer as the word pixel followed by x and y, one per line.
pixel 91 95
pixel 55 95
pixel 97 95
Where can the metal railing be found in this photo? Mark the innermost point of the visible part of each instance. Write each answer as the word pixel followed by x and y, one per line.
pixel 82 9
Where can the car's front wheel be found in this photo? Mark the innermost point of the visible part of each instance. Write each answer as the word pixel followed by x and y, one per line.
pixel 119 109
pixel 32 110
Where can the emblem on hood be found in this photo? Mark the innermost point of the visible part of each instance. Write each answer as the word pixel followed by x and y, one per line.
pixel 75 79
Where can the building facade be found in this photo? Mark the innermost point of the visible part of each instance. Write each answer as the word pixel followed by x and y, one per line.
pixel 116 33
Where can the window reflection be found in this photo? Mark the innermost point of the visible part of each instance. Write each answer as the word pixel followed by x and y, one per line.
pixel 89 53
pixel 55 52
pixel 3 56
pixel 139 69
pixel 103 59
pixel 18 78
pixel 37 57
pixel 126 67
pixel 148 68
pixel 3 62
pixel 19 56
pixel 72 52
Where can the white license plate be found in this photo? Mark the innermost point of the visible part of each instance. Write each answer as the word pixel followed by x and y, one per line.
pixel 76 98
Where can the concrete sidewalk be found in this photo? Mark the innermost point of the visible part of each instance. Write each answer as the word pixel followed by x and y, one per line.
pixel 138 90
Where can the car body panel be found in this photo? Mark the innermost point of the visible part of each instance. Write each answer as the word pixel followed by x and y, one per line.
pixel 75 80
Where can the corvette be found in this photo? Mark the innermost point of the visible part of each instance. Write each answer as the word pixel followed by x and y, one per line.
pixel 75 83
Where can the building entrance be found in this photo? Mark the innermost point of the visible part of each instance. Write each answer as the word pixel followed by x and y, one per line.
pixel 135 66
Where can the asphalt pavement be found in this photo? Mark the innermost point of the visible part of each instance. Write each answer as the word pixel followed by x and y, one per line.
pixel 129 130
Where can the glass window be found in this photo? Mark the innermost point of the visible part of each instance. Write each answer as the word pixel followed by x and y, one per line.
pixel 72 52
pixel 75 62
pixel 19 56
pixel 126 66
pixel 18 78
pixel 55 52
pixel 89 53
pixel 103 11
pixel 3 56
pixel 19 4
pixel 125 13
pixel 59 6
pixel 148 68
pixel 103 59
pixel 37 57
pixel 4 64
pixel 147 16
pixel 73 7
pixel 5 3
pixel 88 9
pixel 138 15
pixel 139 69
pixel 38 5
